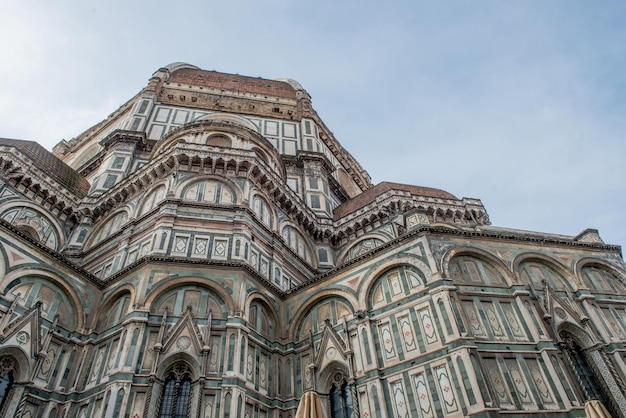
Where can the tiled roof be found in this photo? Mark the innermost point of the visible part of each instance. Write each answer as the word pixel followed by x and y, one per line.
pixel 233 82
pixel 51 165
pixel 370 195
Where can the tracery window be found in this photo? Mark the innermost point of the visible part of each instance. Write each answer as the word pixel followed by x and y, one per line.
pixel 7 377
pixel 340 398
pixel 176 392
pixel 210 191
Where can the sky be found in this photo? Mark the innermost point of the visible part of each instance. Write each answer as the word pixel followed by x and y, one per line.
pixel 521 104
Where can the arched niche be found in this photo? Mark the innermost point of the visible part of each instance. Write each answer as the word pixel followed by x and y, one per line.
pixel 333 308
pixel 471 268
pixel 151 199
pixel 538 270
pixel 599 277
pixel 394 284
pixel 361 247
pixel 56 299
pixel 35 223
pixel 114 310
pixel 201 298
pixel 262 318
pixel 108 227
pixel 296 241
pixel 210 190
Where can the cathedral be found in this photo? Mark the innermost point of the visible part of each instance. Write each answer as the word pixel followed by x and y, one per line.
pixel 211 250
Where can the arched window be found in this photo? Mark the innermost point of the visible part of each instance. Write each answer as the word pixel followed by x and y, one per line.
pixel 7 377
pixel 202 300
pixel 296 241
pixel 262 210
pixel 176 392
pixel 116 312
pixel 340 398
pixel 332 309
pixel 261 319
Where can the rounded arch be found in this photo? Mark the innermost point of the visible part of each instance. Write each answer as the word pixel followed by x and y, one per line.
pixel 320 298
pixel 613 279
pixel 263 210
pixel 393 285
pixel 363 245
pixel 167 285
pixel 219 140
pixel 261 316
pixel 229 118
pixel 562 272
pixel 184 186
pixel 155 195
pixel 25 277
pixel 185 190
pixel 484 272
pixel 299 242
pixel 35 222
pixel 367 282
pixel 110 225
pixel 115 306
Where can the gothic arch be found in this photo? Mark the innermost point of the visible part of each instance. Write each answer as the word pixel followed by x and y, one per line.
pixel 262 208
pixel 327 376
pixel 307 246
pixel 180 356
pixel 23 366
pixel 272 321
pixel 495 261
pixel 169 284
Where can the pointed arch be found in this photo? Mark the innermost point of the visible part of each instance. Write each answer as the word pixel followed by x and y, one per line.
pixel 109 226
pixel 331 304
pixel 467 265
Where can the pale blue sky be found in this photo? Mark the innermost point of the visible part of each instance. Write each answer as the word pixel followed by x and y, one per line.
pixel 519 103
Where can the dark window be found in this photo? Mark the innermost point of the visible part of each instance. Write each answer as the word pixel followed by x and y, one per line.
pixel 118 162
pixel 6 383
pixel 315 201
pixel 341 402
pixel 143 106
pixel 176 393
pixel 110 181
